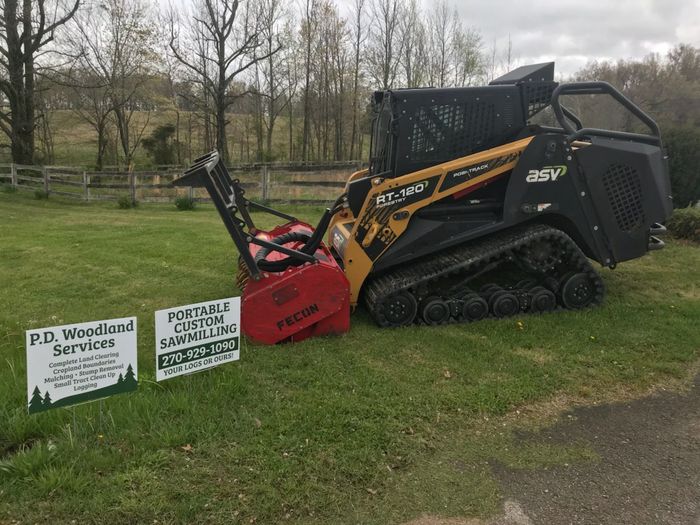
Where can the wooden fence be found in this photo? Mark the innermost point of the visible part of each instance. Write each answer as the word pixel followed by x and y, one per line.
pixel 310 183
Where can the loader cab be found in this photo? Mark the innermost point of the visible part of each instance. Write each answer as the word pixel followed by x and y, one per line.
pixel 416 128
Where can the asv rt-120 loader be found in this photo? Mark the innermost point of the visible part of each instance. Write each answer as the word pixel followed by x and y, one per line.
pixel 466 211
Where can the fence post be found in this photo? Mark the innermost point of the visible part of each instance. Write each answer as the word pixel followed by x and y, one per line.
pixel 45 173
pixel 132 187
pixel 86 191
pixel 13 175
pixel 264 183
pixel 190 193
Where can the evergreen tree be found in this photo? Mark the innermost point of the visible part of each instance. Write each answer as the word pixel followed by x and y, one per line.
pixel 36 404
pixel 47 400
pixel 683 147
pixel 129 378
pixel 121 379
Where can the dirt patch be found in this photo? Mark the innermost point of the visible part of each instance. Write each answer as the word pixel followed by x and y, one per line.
pixel 648 473
pixel 513 514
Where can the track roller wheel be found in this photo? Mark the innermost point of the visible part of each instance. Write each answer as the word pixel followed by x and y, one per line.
pixel 399 309
pixel 489 288
pixel 525 284
pixel 434 310
pixel 475 308
pixel 543 300
pixel 577 291
pixel 504 304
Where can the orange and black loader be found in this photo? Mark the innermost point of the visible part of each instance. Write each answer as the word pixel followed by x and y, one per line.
pixel 467 210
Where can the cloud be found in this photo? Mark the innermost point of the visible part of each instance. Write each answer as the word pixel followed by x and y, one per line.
pixel 574 32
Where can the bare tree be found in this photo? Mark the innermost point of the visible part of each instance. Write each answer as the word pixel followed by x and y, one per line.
pixel 469 62
pixel 94 106
pixel 270 72
pixel 414 57
pixel 335 41
pixel 112 42
pixel 359 36
pixel 170 74
pixel 309 25
pixel 220 41
pixel 385 46
pixel 26 30
pixel 442 28
pixel 291 71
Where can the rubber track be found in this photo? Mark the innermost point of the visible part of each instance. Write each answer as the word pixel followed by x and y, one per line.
pixel 463 259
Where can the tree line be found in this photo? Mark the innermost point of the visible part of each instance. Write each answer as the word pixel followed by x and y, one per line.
pixel 260 80
pixel 232 73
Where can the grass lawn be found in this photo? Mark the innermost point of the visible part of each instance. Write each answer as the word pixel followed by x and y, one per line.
pixel 377 426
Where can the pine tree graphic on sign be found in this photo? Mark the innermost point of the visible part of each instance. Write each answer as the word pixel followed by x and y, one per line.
pixel 36 403
pixel 124 383
pixel 129 379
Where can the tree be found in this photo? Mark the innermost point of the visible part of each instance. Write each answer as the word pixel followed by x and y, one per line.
pixel 414 58
pixel 129 378
pixel 442 28
pixel 683 148
pixel 216 45
pixel 160 145
pixel 469 62
pixel 291 71
pixel 112 42
pixel 308 31
pixel 270 72
pixel 26 30
pixel 94 106
pixel 36 403
pixel 385 46
pixel 47 400
pixel 359 37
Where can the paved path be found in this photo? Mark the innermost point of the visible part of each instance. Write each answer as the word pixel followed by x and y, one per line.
pixel 648 473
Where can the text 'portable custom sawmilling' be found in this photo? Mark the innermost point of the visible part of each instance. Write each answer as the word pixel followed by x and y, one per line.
pixel 469 209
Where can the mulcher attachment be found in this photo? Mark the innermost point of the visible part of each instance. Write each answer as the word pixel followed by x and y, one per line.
pixel 292 286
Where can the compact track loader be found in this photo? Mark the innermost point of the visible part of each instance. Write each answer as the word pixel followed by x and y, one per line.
pixel 467 211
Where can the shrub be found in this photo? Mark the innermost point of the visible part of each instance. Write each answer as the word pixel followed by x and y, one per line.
pixel 41 195
pixel 124 202
pixel 161 146
pixel 685 223
pixel 683 147
pixel 184 203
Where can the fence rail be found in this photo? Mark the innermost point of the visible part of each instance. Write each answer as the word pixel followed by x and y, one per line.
pixel 312 183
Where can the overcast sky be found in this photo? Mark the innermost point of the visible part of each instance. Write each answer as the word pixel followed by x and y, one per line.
pixel 573 32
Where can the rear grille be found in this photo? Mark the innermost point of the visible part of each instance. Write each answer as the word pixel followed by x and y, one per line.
pixel 624 192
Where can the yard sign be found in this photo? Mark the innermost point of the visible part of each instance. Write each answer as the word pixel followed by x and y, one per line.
pixel 197 336
pixel 81 362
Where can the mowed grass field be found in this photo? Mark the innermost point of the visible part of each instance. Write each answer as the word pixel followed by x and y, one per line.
pixel 376 426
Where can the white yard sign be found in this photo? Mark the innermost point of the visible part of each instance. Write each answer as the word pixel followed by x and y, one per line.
pixel 197 336
pixel 81 362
